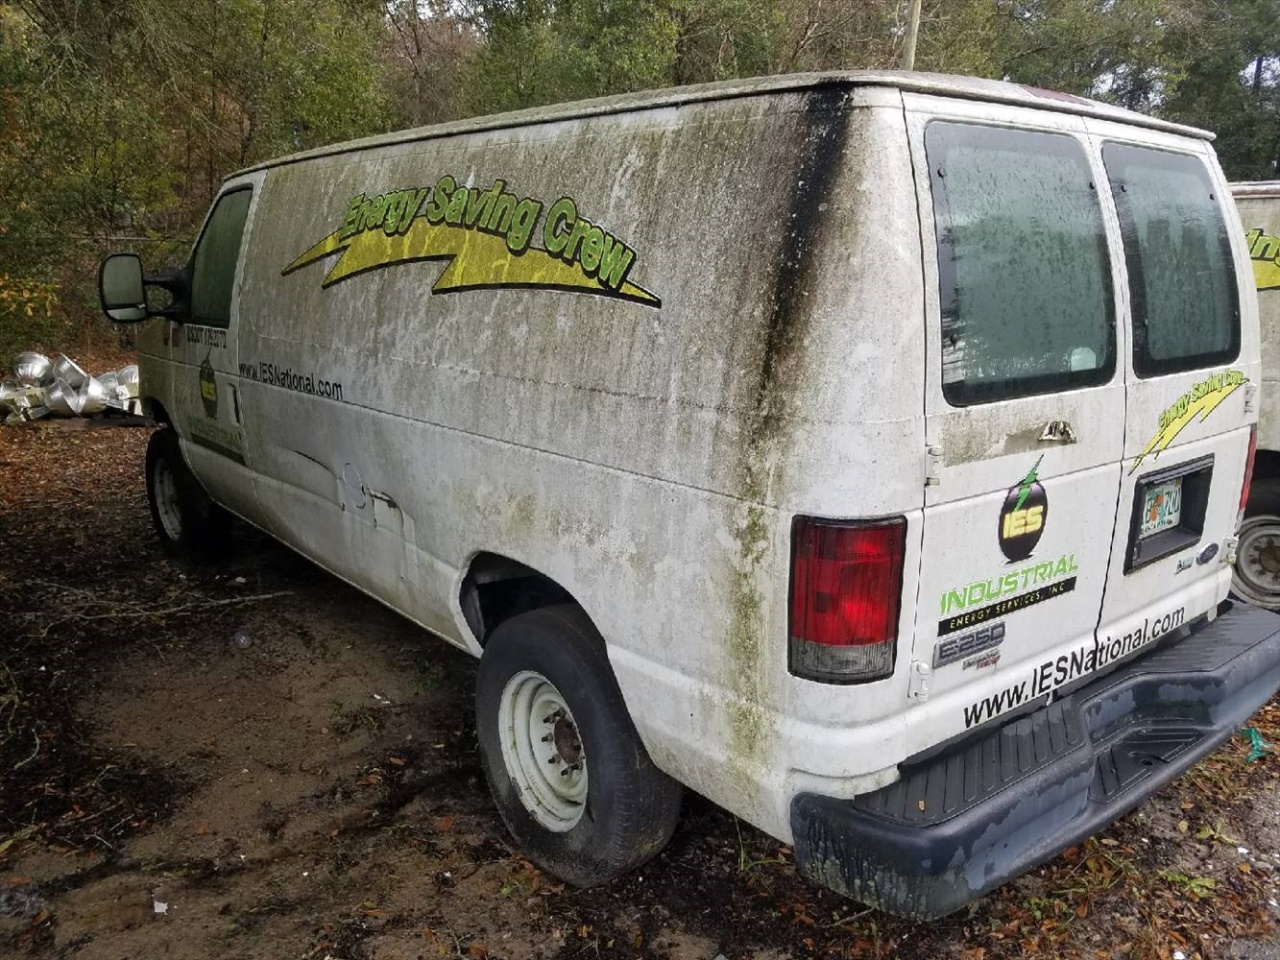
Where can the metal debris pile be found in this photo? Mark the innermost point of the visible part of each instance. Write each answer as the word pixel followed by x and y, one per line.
pixel 40 387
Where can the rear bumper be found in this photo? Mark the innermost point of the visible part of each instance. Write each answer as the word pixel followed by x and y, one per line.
pixel 960 824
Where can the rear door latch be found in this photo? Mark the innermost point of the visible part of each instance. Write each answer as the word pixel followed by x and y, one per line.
pixel 1229 548
pixel 932 465
pixel 918 685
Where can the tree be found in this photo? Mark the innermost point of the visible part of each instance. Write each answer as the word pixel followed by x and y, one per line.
pixel 543 51
pixel 1224 77
pixel 432 42
pixel 133 111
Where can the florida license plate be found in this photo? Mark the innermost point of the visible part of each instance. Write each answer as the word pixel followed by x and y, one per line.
pixel 1162 509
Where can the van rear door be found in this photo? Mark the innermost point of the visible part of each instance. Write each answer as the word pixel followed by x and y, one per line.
pixel 1024 402
pixel 1191 380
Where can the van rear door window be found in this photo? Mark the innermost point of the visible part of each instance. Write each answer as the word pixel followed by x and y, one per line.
pixel 216 255
pixel 1025 282
pixel 1186 311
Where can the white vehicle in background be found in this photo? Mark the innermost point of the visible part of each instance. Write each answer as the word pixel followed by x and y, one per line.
pixel 1257 576
pixel 863 451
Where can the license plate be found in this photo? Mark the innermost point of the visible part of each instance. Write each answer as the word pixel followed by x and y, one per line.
pixel 1162 509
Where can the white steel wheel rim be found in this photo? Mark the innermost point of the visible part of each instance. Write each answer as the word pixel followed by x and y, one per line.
pixel 542 751
pixel 1257 572
pixel 166 490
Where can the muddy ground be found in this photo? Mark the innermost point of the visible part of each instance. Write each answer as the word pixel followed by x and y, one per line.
pixel 314 791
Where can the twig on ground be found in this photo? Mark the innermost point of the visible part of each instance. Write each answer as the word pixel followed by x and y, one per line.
pixel 161 613
pixel 34 753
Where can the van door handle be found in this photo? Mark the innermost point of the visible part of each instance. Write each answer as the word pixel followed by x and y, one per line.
pixel 1057 431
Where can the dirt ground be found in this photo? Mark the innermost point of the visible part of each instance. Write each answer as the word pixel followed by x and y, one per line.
pixel 255 761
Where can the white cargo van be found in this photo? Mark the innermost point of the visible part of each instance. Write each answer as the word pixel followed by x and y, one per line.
pixel 1257 577
pixel 864 451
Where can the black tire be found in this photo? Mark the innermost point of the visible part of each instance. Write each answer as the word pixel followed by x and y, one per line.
pixel 1256 578
pixel 630 807
pixel 189 524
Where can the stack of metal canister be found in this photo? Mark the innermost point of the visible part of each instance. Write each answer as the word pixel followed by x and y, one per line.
pixel 40 387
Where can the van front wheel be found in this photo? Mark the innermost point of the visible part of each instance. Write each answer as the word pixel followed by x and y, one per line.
pixel 190 525
pixel 569 775
pixel 1257 573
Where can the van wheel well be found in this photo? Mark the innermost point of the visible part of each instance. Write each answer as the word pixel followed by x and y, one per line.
pixel 497 588
pixel 1266 463
pixel 157 411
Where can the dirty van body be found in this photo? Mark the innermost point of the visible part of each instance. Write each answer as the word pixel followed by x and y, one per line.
pixel 862 451
pixel 1257 578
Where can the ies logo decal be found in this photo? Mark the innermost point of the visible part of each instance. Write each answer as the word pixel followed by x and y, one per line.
pixel 208 389
pixel 1026 507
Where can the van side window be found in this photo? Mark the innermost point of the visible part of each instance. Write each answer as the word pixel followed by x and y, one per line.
pixel 215 260
pixel 1025 282
pixel 1186 311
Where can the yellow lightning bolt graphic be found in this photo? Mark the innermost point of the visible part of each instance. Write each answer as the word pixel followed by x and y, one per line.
pixel 476 260
pixel 1266 274
pixel 1199 408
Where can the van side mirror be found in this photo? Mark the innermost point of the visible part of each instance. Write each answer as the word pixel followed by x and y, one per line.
pixel 124 299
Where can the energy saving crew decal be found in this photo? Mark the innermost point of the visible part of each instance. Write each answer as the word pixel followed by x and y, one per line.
pixel 1198 402
pixel 486 236
pixel 1264 251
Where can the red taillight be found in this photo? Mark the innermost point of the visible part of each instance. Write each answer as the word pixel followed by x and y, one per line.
pixel 846 587
pixel 1248 468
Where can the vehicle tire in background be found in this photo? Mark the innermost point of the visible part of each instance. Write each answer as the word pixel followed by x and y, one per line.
pixel 1257 571
pixel 570 777
pixel 190 525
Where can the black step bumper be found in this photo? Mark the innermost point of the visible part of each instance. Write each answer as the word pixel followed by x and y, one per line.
pixel 961 823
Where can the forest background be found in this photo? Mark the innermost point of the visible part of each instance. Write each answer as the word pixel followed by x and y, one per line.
pixel 119 118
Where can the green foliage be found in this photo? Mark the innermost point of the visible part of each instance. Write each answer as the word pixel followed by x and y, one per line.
pixel 541 51
pixel 120 118
pixel 1224 66
pixel 29 313
pixel 1197 887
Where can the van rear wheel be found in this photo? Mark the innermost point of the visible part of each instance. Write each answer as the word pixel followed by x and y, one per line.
pixel 190 525
pixel 1257 572
pixel 569 775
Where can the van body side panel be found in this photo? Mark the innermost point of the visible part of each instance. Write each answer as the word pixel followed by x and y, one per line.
pixel 450 395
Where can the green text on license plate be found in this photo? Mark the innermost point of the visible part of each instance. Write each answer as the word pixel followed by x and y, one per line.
pixel 1162 509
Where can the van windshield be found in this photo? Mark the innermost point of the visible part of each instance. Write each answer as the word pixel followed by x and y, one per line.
pixel 1186 310
pixel 1024 279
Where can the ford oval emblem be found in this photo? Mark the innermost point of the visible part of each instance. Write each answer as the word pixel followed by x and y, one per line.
pixel 1207 554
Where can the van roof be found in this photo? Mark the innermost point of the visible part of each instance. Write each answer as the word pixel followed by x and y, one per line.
pixel 1255 189
pixel 971 88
